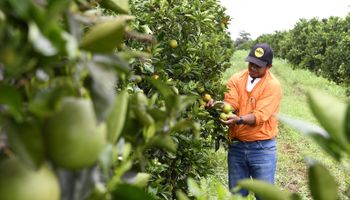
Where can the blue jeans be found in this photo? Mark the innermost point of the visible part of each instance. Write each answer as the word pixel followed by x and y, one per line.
pixel 255 160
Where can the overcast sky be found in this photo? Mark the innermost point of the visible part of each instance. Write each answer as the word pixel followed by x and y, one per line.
pixel 267 16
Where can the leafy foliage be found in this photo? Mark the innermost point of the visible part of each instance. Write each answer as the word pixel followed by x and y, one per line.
pixel 192 47
pixel 93 52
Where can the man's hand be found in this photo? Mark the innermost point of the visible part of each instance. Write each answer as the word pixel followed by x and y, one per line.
pixel 231 119
pixel 210 104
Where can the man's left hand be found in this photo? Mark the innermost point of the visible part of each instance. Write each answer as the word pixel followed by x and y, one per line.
pixel 230 120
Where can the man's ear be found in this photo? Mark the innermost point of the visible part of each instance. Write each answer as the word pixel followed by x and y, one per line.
pixel 269 66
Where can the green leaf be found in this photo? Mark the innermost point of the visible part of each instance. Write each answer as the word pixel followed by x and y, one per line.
pixel 264 190
pixel 55 9
pixel 137 179
pixel 40 43
pixel 181 195
pixel 141 180
pixel 106 36
pixel 162 88
pixel 149 131
pixel 143 117
pixel 319 135
pixel 163 141
pixel 193 187
pixel 133 54
pixel 129 192
pixel 182 125
pixel 27 142
pixel 11 99
pixel 45 101
pixel 347 123
pixel 106 159
pixel 330 112
pixel 116 61
pixel 116 118
pixel 102 87
pixel 2 21
pixel 185 101
pixel 321 183
pixel 118 6
pixel 21 8
pixel 222 191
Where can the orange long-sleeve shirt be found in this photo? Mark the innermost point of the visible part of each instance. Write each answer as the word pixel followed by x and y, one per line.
pixel 263 101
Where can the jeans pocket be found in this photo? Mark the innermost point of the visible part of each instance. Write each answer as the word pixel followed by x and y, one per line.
pixel 268 145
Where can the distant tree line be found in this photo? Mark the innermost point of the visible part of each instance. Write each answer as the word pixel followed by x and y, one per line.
pixel 319 45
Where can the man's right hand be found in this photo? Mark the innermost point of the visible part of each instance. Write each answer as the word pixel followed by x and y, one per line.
pixel 210 104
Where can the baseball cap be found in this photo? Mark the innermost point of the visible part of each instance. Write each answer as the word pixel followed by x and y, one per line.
pixel 261 55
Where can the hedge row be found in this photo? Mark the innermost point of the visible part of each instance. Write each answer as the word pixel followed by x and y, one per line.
pixel 322 46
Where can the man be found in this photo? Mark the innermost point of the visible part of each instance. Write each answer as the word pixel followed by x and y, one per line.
pixel 255 94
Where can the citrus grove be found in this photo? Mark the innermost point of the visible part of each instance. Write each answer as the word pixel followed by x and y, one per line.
pixel 103 99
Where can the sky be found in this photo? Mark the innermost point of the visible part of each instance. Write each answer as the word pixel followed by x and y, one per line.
pixel 259 17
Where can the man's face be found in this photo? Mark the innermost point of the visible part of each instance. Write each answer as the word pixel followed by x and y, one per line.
pixel 257 72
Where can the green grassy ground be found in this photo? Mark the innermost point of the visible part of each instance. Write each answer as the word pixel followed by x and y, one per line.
pixel 293 147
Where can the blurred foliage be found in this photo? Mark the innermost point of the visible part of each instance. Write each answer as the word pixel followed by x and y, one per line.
pixel 126 97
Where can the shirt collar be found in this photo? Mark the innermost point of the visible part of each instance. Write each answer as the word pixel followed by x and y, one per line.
pixel 251 78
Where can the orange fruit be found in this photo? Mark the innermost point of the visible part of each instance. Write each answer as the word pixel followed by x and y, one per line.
pixel 73 139
pixel 207 97
pixel 173 43
pixel 17 182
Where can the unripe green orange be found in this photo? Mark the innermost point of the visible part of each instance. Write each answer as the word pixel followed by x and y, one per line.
pixel 73 139
pixel 223 116
pixel 155 76
pixel 173 43
pixel 229 114
pixel 201 89
pixel 18 182
pixel 138 79
pixel 206 97
pixel 227 108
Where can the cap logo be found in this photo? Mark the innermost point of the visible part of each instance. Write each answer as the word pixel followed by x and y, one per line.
pixel 259 52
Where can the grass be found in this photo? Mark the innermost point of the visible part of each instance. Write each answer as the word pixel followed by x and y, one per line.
pixel 293 147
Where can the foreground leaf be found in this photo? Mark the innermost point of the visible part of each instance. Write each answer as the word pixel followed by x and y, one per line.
pixel 40 43
pixel 163 141
pixel 102 86
pixel 27 143
pixel 347 123
pixel 330 112
pixel 319 135
pixel 116 119
pixel 11 99
pixel 118 6
pixel 264 190
pixel 181 195
pixel 106 36
pixel 321 183
pixel 129 192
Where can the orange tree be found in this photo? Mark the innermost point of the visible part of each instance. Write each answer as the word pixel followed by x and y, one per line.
pixel 192 48
pixel 68 112
pixel 321 46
